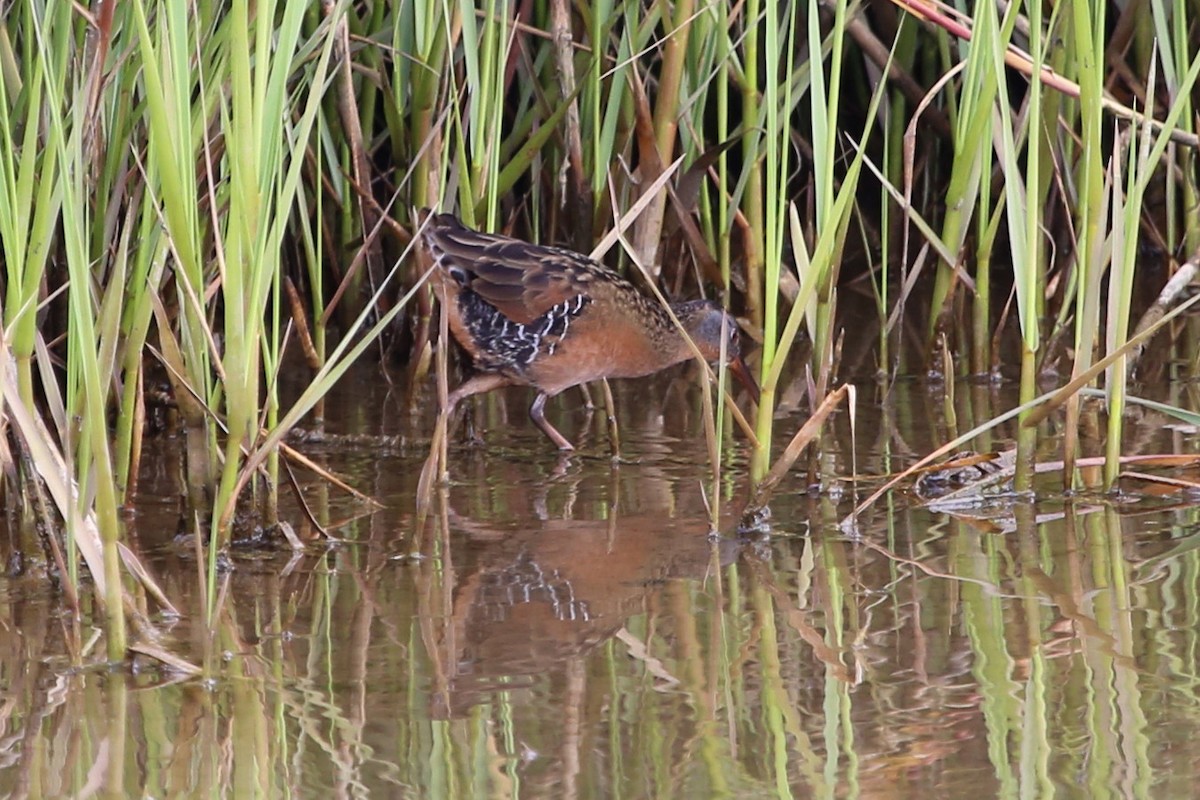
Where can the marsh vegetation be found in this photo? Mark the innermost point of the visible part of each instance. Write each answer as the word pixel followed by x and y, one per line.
pixel 207 220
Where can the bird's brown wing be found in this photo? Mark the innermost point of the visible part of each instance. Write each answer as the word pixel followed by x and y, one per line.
pixel 521 280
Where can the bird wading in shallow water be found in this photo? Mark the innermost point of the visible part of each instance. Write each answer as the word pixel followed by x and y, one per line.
pixel 550 318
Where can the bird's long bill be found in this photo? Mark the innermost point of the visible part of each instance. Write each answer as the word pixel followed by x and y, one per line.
pixel 738 367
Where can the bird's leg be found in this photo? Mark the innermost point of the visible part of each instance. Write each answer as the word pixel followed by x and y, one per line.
pixel 588 405
pixel 477 384
pixel 537 412
pixel 610 411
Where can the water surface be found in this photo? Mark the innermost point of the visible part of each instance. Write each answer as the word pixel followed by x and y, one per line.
pixel 569 628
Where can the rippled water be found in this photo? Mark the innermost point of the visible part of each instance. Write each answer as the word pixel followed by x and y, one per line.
pixel 568 628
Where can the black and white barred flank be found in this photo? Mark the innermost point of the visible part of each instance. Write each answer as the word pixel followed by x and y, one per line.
pixel 509 345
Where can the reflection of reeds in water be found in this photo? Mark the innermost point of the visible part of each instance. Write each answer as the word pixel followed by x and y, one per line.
pixel 166 169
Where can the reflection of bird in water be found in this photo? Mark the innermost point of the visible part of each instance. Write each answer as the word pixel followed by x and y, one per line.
pixel 524 582
pixel 527 603
pixel 552 319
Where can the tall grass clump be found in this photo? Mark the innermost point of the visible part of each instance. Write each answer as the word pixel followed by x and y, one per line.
pixel 1145 150
pixel 174 132
pixel 185 244
pixel 1023 177
pixel 817 263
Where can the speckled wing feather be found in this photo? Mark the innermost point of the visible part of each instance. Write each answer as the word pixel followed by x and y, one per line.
pixel 522 281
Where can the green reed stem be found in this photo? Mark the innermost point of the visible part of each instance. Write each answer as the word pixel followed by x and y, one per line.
pixel 753 200
pixel 1091 212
